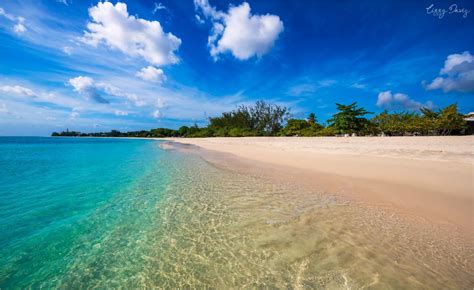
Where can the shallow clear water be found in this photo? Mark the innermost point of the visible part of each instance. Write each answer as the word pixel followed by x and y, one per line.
pixel 106 213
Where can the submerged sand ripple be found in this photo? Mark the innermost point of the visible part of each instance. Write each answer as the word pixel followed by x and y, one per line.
pixel 220 229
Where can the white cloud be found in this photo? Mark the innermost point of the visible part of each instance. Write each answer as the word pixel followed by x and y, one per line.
pixel 398 101
pixel 239 32
pixel 6 15
pixel 151 74
pixel 63 2
pixel 115 91
pixel 302 90
pixel 326 83
pixel 160 103
pixel 120 113
pixel 67 50
pixel 358 86
pixel 87 87
pixel 207 10
pixel 456 75
pixel 133 36
pixel 158 6
pixel 81 83
pixel 309 88
pixel 74 115
pixel 455 62
pixel 94 90
pixel 19 27
pixel 17 90
pixel 199 19
pixel 34 96
pixel 156 114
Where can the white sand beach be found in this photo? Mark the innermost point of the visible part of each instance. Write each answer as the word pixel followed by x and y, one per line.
pixel 428 177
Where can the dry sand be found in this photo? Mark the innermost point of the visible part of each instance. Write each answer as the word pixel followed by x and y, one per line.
pixel 428 177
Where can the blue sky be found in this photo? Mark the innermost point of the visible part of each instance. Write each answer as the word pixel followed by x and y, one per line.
pixel 96 66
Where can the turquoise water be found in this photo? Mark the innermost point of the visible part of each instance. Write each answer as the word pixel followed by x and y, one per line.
pixel 81 213
pixel 60 198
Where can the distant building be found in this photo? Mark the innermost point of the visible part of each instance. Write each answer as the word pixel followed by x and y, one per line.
pixel 469 118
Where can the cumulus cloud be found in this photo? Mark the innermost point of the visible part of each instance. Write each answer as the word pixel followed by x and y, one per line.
pixel 238 31
pixel 81 83
pixel 94 90
pixel 86 86
pixel 398 101
pixel 112 25
pixel 19 27
pixel 151 74
pixel 456 75
pixel 17 90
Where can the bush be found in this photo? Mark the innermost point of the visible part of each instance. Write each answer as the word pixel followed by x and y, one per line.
pixel 327 132
pixel 262 119
pixel 297 127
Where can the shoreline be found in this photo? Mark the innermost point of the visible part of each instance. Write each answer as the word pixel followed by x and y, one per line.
pixel 428 177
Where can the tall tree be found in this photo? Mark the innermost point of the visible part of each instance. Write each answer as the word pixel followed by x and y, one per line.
pixel 349 119
pixel 262 118
pixel 312 119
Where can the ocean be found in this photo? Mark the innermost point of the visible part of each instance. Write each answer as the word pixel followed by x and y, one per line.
pixel 125 213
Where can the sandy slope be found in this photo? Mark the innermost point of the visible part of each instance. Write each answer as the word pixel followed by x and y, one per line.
pixel 431 177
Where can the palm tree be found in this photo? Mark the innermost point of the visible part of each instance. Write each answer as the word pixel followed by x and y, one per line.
pixel 312 119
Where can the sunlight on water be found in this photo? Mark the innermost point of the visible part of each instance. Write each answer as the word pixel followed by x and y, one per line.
pixel 193 225
pixel 222 229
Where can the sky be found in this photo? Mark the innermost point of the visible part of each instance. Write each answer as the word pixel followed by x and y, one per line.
pixel 94 66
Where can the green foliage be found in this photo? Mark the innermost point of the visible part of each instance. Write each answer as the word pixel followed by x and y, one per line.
pixel 183 131
pixel 115 133
pixel 265 119
pixel 428 113
pixel 238 132
pixel 312 119
pixel 395 124
pixel 163 132
pixel 239 118
pixel 296 127
pixel 450 120
pixel 445 122
pixel 349 119
pixel 327 132
pixel 66 133
pixel 260 119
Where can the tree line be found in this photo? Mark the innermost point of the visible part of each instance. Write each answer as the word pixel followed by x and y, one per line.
pixel 267 119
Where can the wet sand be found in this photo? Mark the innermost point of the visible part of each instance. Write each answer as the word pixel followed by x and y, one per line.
pixel 258 224
pixel 425 177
